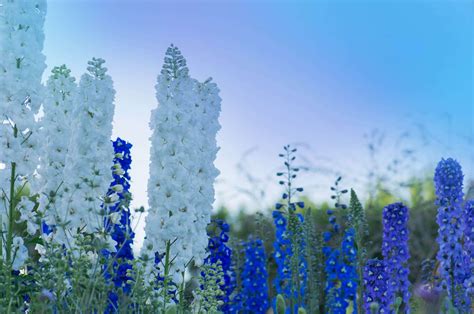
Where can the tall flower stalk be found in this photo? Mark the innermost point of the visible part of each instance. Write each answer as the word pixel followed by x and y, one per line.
pixel 289 244
pixel 254 279
pixel 90 157
pixel 469 246
pixel 21 67
pixel 376 294
pixel 180 188
pixel 358 221
pixel 396 253
pixel 118 223
pixel 341 253
pixel 58 108
pixel 448 181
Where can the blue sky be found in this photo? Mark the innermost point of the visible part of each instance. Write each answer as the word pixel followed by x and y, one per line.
pixel 322 73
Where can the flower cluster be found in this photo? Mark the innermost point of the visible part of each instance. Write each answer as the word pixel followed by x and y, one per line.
pixel 90 157
pixel 208 297
pixel 282 252
pixel 21 67
pixel 290 281
pixel 220 252
pixel 376 295
pixel 469 245
pixel 341 260
pixel 208 106
pixel 454 270
pixel 341 274
pixel 180 188
pixel 55 131
pixel 118 221
pixel 289 245
pixel 395 251
pixel 254 278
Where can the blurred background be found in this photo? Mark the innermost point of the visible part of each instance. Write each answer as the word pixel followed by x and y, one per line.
pixel 374 91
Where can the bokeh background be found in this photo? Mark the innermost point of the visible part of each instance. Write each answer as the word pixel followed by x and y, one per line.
pixel 375 91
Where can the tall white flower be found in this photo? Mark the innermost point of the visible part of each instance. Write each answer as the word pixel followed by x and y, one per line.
pixel 181 170
pixel 21 67
pixel 208 108
pixel 90 155
pixel 56 132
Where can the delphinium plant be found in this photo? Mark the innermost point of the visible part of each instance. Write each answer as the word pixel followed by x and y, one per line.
pixel 58 108
pixel 118 223
pixel 254 279
pixel 219 251
pixel 85 203
pixel 469 246
pixel 453 267
pixel 376 294
pixel 289 244
pixel 358 221
pixel 182 173
pixel 21 68
pixel 314 296
pixel 341 257
pixel 396 254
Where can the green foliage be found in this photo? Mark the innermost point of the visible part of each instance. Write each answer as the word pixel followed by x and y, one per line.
pixel 315 259
pixel 358 221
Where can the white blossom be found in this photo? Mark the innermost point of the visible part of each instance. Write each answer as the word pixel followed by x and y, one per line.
pixel 55 132
pixel 208 107
pixel 21 67
pixel 26 209
pixel 87 174
pixel 20 252
pixel 180 167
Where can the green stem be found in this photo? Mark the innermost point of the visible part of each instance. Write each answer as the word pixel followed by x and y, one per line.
pixel 181 296
pixel 10 233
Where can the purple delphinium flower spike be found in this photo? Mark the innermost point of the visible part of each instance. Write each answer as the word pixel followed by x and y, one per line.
pixel 376 280
pixel 469 245
pixel 448 181
pixel 395 252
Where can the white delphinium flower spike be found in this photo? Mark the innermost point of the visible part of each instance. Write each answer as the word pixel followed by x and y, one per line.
pixel 208 109
pixel 90 156
pixel 21 67
pixel 179 168
pixel 56 132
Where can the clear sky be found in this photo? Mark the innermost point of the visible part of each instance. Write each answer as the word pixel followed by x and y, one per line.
pixel 322 73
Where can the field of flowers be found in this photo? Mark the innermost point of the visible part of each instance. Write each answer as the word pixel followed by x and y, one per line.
pixel 66 233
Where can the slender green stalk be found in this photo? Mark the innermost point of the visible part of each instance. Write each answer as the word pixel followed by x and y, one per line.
pixel 11 220
pixel 181 296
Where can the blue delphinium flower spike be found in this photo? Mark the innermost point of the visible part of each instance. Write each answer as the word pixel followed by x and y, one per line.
pixel 254 279
pixel 454 270
pixel 376 296
pixel 121 230
pixel 219 251
pixel 395 252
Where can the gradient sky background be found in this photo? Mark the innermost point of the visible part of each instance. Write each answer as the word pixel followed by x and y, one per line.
pixel 322 73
